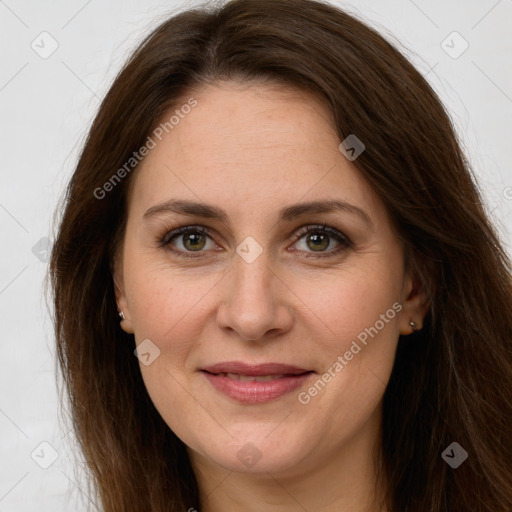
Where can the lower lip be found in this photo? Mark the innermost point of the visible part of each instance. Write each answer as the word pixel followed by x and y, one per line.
pixel 254 392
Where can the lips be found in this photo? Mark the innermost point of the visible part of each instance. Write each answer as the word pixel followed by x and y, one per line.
pixel 240 368
pixel 254 384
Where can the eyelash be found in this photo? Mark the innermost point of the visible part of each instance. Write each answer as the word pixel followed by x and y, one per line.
pixel 344 241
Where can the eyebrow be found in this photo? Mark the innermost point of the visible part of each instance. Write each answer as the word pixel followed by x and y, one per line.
pixel 288 213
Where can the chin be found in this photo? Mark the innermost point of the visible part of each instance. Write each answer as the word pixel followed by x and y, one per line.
pixel 258 452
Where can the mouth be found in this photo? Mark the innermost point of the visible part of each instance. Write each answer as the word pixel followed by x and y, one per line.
pixel 255 384
pixel 251 378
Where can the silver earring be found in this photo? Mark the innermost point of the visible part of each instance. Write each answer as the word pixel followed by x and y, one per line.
pixel 121 314
pixel 413 325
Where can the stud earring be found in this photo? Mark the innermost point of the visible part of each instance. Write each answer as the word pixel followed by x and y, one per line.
pixel 413 326
pixel 121 314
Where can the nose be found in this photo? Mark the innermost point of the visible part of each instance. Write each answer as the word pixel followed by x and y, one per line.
pixel 254 304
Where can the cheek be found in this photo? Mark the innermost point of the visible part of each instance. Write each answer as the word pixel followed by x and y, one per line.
pixel 349 302
pixel 162 297
pixel 166 308
pixel 358 324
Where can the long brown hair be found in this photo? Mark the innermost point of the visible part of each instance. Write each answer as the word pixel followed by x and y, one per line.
pixel 451 382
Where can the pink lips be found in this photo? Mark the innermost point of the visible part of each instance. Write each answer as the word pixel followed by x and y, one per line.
pixel 236 380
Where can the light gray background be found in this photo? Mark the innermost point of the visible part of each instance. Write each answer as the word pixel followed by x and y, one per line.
pixel 46 106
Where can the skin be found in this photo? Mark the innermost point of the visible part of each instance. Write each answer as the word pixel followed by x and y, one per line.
pixel 252 149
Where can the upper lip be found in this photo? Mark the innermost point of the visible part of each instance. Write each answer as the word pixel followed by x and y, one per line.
pixel 255 369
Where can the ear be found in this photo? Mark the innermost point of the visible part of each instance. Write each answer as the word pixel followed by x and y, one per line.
pixel 122 302
pixel 415 303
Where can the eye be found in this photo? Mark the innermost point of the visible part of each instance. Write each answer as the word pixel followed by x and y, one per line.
pixel 318 239
pixel 192 239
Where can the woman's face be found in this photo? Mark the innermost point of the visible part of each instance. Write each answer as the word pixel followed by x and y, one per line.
pixel 246 167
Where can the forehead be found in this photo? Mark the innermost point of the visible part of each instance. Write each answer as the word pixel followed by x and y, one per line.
pixel 251 146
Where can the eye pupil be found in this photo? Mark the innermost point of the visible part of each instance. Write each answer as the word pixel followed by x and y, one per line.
pixel 195 240
pixel 318 241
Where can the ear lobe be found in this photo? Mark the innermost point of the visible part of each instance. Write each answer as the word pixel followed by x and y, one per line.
pixel 415 307
pixel 122 303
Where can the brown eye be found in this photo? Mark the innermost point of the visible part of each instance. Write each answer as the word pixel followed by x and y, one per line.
pixel 193 241
pixel 187 240
pixel 318 239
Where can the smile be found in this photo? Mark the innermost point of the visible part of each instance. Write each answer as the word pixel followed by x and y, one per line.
pixel 255 384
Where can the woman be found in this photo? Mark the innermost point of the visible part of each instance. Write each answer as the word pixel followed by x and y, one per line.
pixel 273 214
